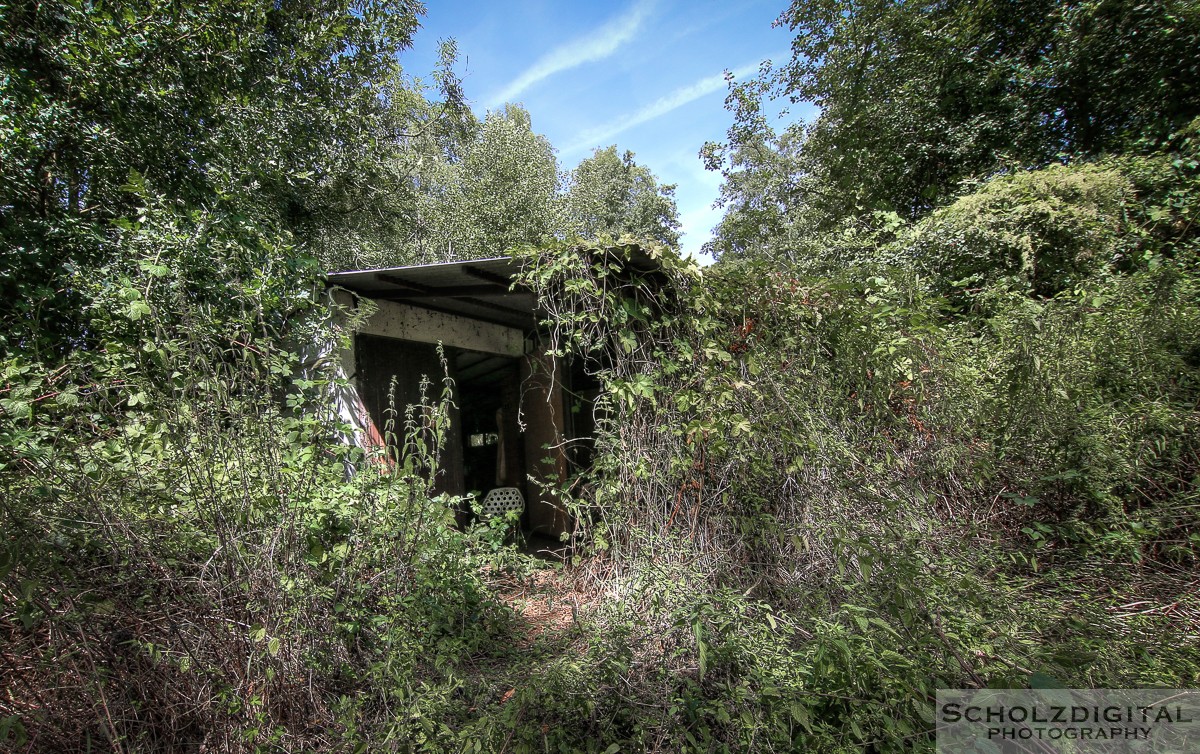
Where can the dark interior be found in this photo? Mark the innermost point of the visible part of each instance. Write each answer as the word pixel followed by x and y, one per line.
pixel 488 397
pixel 484 447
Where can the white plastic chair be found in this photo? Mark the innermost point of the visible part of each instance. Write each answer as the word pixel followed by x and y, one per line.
pixel 500 501
pixel 497 504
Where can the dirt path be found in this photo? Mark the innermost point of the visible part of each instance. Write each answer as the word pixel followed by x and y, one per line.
pixel 548 603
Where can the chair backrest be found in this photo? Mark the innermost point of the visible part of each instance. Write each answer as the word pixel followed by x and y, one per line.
pixel 500 501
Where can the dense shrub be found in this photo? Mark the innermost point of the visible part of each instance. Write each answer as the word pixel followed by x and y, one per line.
pixel 827 497
pixel 192 557
pixel 1047 230
pixel 820 499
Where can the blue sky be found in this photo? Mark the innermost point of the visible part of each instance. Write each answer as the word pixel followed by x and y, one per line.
pixel 645 75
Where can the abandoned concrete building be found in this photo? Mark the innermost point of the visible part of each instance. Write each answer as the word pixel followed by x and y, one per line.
pixel 519 421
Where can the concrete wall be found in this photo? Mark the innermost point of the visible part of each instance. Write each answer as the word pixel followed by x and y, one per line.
pixel 395 320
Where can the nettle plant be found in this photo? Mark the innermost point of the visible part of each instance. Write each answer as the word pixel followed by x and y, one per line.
pixel 738 410
pixel 701 376
pixel 187 533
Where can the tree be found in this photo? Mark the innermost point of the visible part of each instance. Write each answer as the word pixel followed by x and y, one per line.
pixel 610 194
pixel 268 114
pixel 765 182
pixel 917 97
pixel 503 192
pixel 432 130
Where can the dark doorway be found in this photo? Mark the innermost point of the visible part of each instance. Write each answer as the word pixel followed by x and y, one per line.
pixel 484 447
pixel 488 393
pixel 390 373
pixel 510 420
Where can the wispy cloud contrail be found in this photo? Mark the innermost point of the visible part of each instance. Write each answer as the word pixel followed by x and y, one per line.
pixel 595 46
pixel 596 136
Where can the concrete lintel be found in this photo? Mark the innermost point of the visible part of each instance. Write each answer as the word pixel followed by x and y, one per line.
pixel 398 320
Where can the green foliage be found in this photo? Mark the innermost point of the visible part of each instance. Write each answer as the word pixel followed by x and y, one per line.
pixel 255 109
pixel 426 126
pixel 916 98
pixel 184 507
pixel 503 192
pixel 931 422
pixel 953 464
pixel 765 182
pixel 192 557
pixel 610 194
pixel 1044 231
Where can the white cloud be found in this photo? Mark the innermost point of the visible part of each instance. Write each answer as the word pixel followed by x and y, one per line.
pixel 596 46
pixel 597 136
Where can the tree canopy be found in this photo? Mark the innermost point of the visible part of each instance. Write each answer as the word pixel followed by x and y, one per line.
pixel 931 421
pixel 128 122
pixel 917 97
pixel 610 194
pixel 503 192
pixel 267 110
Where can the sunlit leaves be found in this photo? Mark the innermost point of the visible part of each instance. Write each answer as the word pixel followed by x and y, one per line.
pixel 917 98
pixel 265 109
pixel 611 195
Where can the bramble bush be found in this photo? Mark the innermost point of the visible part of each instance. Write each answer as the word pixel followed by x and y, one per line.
pixel 819 499
pixel 192 556
pixel 823 498
pixel 967 457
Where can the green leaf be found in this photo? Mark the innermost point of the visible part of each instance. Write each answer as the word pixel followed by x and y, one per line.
pixel 137 309
pixel 154 270
pixel 800 715
pixel 12 727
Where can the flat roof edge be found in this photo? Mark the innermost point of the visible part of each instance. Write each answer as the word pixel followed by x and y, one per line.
pixel 430 265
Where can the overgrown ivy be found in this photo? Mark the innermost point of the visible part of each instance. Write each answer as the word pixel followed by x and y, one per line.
pixel 826 497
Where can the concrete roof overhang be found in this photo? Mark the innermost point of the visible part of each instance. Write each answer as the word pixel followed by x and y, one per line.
pixel 480 289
